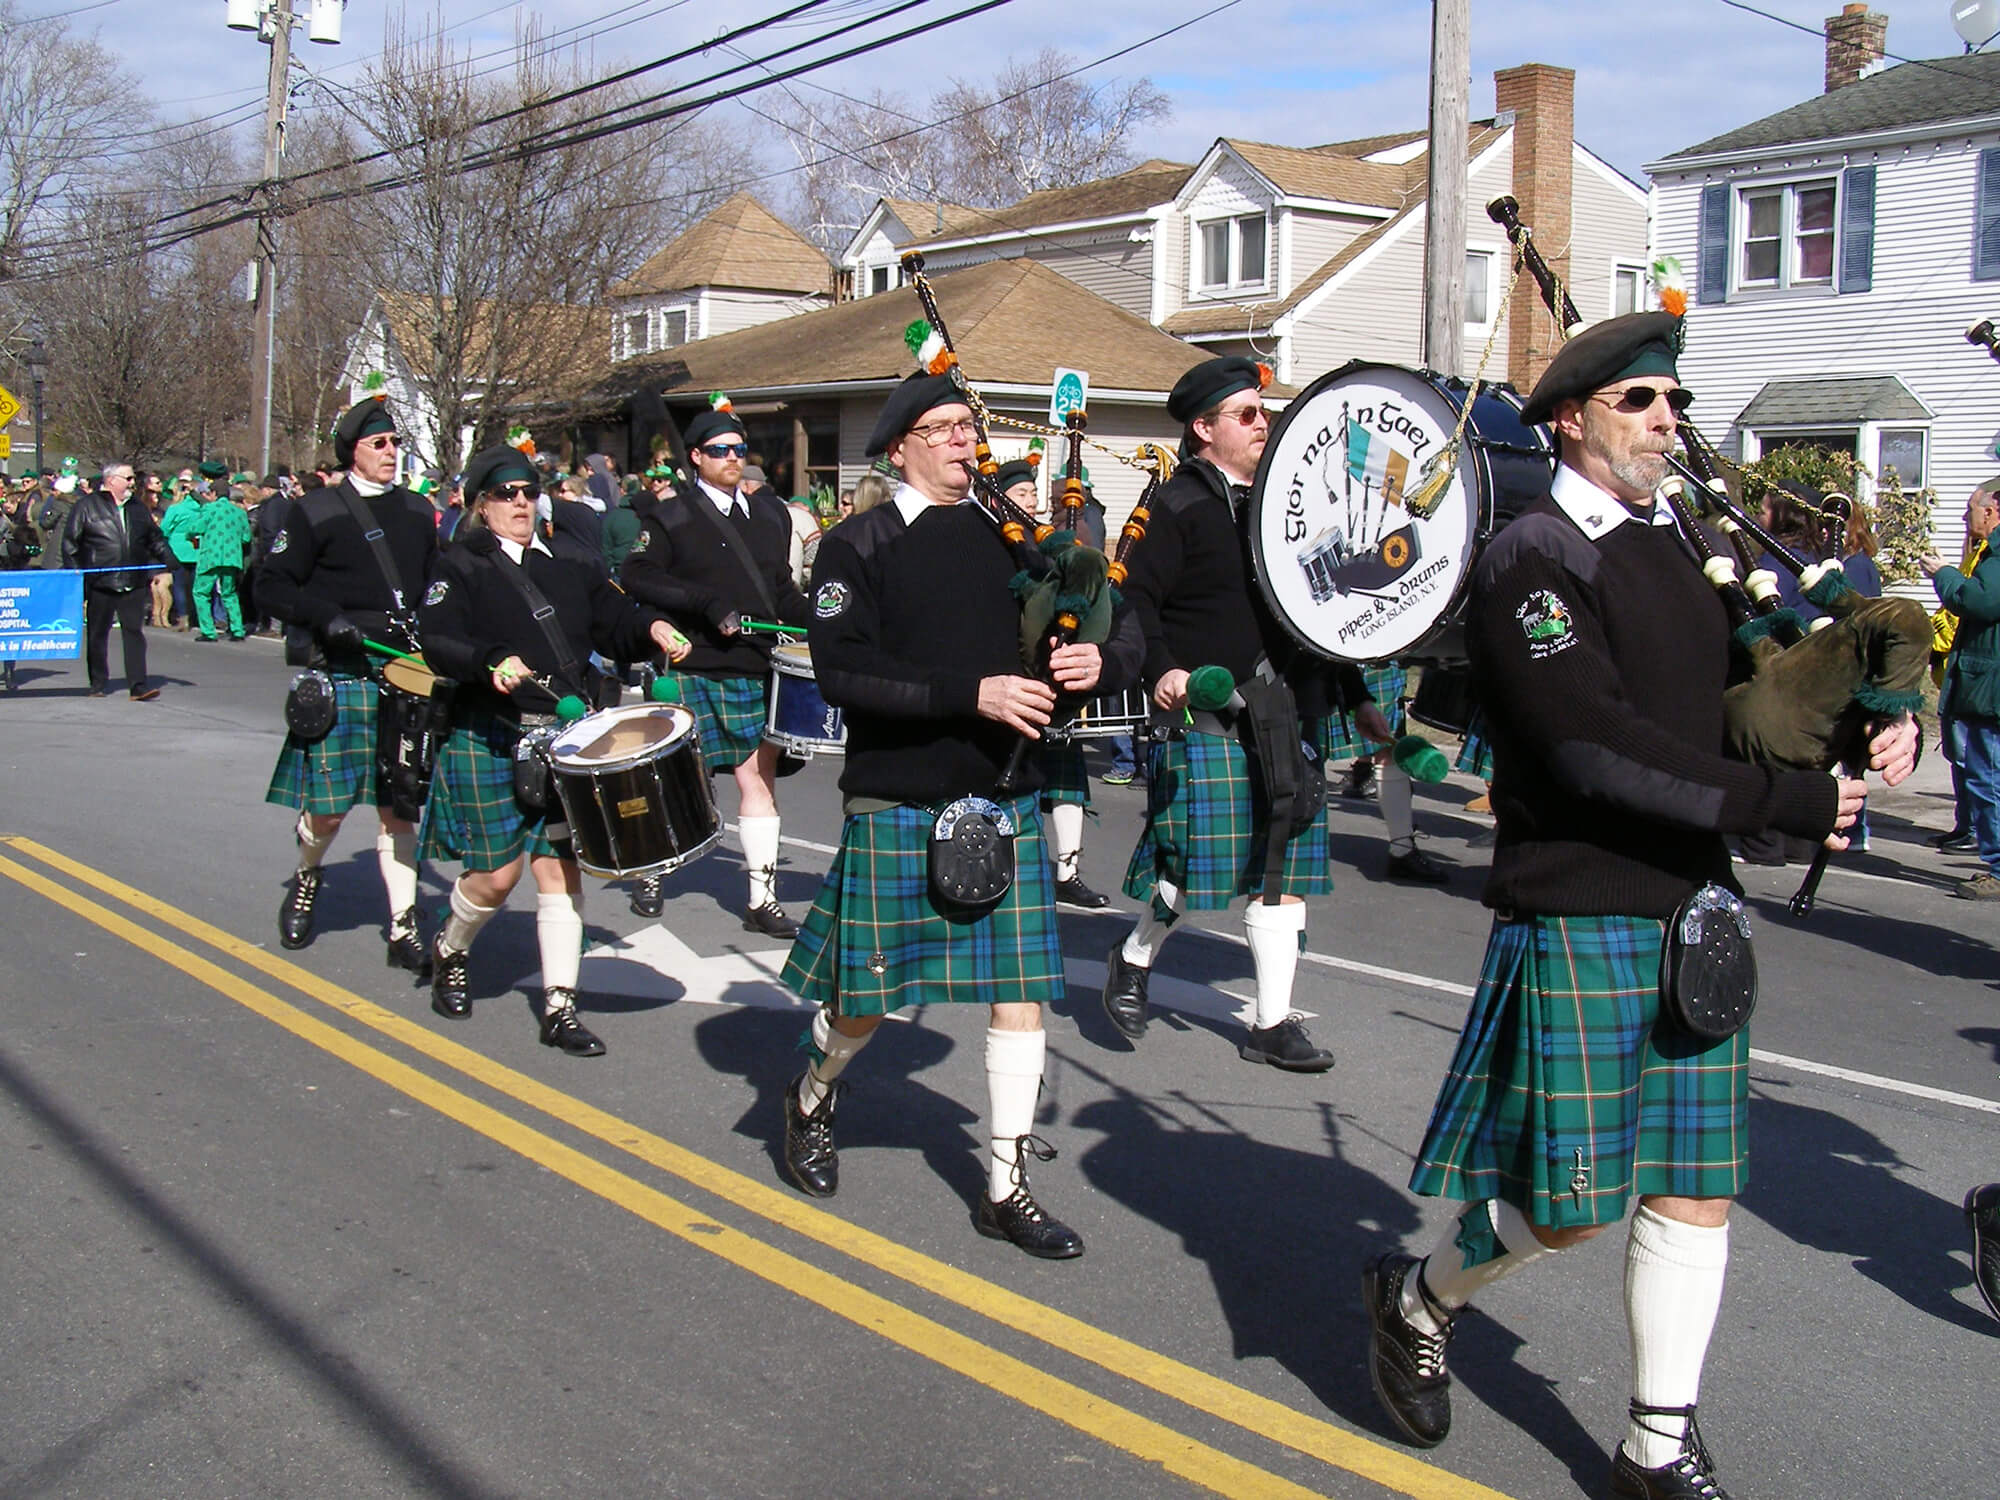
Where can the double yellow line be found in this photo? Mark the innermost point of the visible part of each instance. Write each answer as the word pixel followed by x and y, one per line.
pixel 1016 1379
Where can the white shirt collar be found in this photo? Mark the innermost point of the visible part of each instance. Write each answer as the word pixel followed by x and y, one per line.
pixel 1597 511
pixel 366 487
pixel 911 502
pixel 515 551
pixel 725 503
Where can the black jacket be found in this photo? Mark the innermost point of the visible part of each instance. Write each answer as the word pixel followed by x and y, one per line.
pixel 577 533
pixel 682 564
pixel 102 534
pixel 320 563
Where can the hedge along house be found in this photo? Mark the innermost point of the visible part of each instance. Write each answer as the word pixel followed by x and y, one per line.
pixel 1836 253
pixel 811 387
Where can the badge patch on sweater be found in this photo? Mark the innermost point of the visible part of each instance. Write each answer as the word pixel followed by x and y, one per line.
pixel 645 539
pixel 831 600
pixel 436 592
pixel 280 542
pixel 1545 621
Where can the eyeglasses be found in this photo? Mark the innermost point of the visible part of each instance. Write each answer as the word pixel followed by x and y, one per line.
pixel 726 450
pixel 937 434
pixel 1249 416
pixel 380 440
pixel 522 492
pixel 1641 398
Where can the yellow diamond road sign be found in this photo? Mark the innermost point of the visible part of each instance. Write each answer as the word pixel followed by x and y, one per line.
pixel 9 407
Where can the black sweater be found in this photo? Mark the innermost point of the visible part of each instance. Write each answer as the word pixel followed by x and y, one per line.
pixel 684 565
pixel 906 622
pixel 474 618
pixel 320 564
pixel 1600 667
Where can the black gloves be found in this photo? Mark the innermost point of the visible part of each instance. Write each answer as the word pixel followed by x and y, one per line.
pixel 342 634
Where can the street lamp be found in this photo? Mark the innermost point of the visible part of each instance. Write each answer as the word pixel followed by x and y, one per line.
pixel 38 371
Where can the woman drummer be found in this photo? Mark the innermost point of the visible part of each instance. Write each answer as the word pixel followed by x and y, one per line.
pixel 480 628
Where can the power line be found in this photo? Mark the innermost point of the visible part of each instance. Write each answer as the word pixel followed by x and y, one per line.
pixel 1815 31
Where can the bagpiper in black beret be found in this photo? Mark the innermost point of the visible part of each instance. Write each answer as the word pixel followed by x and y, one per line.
pixel 1013 472
pixel 363 419
pixel 908 404
pixel 1617 349
pixel 1213 381
pixel 718 420
pixel 499 465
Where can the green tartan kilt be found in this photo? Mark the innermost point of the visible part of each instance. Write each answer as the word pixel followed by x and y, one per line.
pixel 1568 1095
pixel 332 774
pixel 472 815
pixel 1476 754
pixel 1205 825
pixel 1064 778
pixel 731 713
pixel 1385 686
pixel 874 943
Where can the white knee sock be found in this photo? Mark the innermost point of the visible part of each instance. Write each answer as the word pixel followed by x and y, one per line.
pixel 1397 816
pixel 1673 1290
pixel 760 857
pixel 467 917
pixel 834 1051
pixel 1274 932
pixel 312 848
pixel 559 934
pixel 1144 943
pixel 1066 831
pixel 1486 1242
pixel 396 853
pixel 1013 1084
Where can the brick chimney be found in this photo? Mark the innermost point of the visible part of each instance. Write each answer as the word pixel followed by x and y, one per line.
pixel 1855 39
pixel 1542 101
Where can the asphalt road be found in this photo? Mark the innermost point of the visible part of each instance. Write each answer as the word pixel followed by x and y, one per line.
pixel 274 1229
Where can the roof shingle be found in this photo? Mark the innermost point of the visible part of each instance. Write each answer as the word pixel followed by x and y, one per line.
pixel 740 244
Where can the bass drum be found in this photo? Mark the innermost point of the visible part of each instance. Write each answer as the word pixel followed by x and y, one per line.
pixel 1345 563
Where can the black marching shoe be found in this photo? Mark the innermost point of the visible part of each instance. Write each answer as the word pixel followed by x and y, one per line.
pixel 1073 892
pixel 1957 843
pixel 1286 1046
pixel 810 1158
pixel 1018 1218
pixel 406 946
pixel 448 996
pixel 561 1028
pixel 646 900
pixel 1691 1476
pixel 1982 1212
pixel 1406 1364
pixel 1419 867
pixel 1360 781
pixel 770 919
pixel 1125 993
pixel 295 916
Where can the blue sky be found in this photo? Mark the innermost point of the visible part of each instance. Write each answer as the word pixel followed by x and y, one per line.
pixel 1651 77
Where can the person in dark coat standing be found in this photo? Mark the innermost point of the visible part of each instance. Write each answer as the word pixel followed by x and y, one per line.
pixel 109 529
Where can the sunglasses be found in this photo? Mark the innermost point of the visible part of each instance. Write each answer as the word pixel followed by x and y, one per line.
pixel 519 492
pixel 1249 416
pixel 726 450
pixel 1642 397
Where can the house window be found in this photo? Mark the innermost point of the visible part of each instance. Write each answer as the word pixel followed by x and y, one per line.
pixel 1234 253
pixel 1628 290
pixel 673 327
pixel 1903 451
pixel 1479 286
pixel 635 335
pixel 878 280
pixel 1787 235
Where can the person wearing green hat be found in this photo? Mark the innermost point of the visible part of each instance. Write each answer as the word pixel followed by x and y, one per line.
pixel 224 535
pixel 1600 654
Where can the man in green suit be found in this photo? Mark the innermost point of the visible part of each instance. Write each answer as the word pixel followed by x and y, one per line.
pixel 225 535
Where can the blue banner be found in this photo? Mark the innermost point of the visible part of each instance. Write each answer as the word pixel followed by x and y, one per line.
pixel 41 615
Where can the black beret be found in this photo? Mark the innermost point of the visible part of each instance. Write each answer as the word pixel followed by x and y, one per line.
pixel 1616 349
pixel 1211 381
pixel 1013 472
pixel 712 424
pixel 363 419
pixel 214 468
pixel 908 404
pixel 492 467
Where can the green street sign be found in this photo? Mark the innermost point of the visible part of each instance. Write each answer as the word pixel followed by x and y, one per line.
pixel 1072 390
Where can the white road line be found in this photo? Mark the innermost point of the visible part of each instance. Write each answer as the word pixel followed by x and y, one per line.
pixel 1876 1081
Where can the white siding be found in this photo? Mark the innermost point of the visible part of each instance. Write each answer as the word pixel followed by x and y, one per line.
pixel 879 249
pixel 1608 228
pixel 727 311
pixel 1493 175
pixel 1170 243
pixel 1107 262
pixel 1230 191
pixel 1376 313
pixel 858 415
pixel 1911 324
pixel 1316 239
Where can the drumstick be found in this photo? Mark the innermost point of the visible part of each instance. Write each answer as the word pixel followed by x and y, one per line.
pixel 392 651
pixel 770 627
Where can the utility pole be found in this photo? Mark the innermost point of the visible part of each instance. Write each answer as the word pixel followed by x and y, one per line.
pixel 278 18
pixel 1444 206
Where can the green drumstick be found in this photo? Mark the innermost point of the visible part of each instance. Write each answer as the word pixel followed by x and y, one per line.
pixel 770 627
pixel 391 651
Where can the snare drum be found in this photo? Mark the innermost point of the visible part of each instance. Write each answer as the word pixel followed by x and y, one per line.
pixel 1347 565
pixel 1445 700
pixel 414 718
pixel 633 790
pixel 1112 715
pixel 797 719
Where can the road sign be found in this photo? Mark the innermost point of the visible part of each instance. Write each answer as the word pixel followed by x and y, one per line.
pixel 6 446
pixel 9 406
pixel 1072 388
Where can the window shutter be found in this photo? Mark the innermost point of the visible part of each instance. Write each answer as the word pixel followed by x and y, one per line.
pixel 1857 229
pixel 1712 272
pixel 1986 227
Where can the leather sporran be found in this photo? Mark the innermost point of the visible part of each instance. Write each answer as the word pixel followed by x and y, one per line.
pixel 971 857
pixel 534 781
pixel 311 707
pixel 1708 971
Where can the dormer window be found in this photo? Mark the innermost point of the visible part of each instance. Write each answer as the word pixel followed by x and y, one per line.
pixel 673 327
pixel 1232 253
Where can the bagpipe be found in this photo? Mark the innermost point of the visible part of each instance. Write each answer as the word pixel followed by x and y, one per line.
pixel 1807 695
pixel 1067 589
pixel 1982 333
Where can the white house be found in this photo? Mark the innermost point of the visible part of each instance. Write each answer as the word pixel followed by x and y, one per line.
pixel 1837 251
